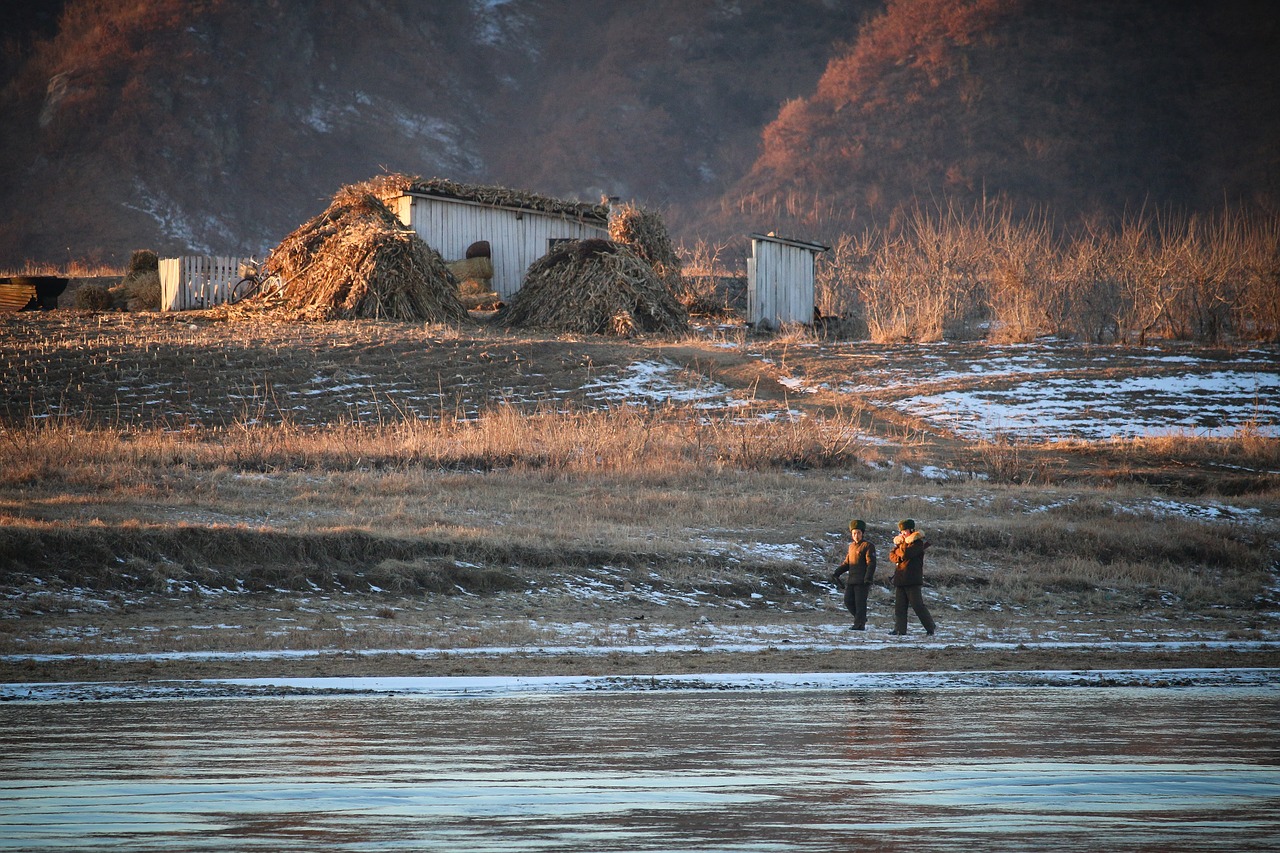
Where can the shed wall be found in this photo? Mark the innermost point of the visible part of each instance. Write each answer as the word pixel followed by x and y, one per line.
pixel 516 238
pixel 779 284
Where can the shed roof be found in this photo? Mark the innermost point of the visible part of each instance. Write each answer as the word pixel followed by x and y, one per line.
pixel 496 196
pixel 788 241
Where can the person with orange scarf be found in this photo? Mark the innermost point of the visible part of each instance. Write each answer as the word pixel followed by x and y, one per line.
pixel 908 578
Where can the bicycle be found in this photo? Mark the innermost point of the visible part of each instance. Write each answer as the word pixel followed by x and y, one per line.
pixel 258 282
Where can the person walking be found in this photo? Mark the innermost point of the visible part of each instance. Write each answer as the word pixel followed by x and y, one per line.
pixel 908 578
pixel 860 563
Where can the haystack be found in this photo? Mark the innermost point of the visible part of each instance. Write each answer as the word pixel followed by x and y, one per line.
pixel 475 282
pixel 644 232
pixel 357 260
pixel 594 287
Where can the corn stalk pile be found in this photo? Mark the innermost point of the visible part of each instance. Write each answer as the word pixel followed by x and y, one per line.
pixel 645 233
pixel 594 287
pixel 356 260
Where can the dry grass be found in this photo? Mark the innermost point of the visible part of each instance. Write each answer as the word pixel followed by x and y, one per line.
pixel 72 269
pixel 984 271
pixel 664 442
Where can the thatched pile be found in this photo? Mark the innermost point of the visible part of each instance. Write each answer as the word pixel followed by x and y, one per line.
pixel 506 197
pixel 644 232
pixel 357 260
pixel 594 287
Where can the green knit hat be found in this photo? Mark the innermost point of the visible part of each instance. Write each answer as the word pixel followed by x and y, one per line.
pixel 857 524
pixel 906 524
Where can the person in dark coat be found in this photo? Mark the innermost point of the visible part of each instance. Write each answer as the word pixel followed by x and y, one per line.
pixel 908 577
pixel 860 563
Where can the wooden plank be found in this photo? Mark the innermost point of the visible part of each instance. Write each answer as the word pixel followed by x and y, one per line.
pixel 15 297
pixel 168 283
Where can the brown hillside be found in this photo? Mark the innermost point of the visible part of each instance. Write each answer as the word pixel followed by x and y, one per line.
pixel 218 126
pixel 1078 107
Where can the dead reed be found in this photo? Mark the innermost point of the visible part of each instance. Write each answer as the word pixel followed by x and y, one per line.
pixel 985 271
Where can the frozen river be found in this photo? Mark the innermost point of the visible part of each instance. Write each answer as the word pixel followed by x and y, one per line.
pixel 1040 768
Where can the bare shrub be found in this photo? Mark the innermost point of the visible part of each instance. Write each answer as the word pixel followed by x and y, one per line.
pixel 93 297
pixel 706 287
pixel 142 291
pixel 1022 259
pixel 1256 310
pixel 1007 460
pixel 921 280
pixel 837 273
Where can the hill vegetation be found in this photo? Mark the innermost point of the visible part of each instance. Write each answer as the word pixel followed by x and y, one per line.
pixel 217 127
pixel 1079 109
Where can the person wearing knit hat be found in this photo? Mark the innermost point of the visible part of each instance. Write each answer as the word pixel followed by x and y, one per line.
pixel 860 563
pixel 908 578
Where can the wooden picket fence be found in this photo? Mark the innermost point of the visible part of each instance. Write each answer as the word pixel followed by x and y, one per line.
pixel 198 282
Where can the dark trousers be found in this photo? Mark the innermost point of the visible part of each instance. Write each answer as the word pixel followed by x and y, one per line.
pixel 910 596
pixel 855 601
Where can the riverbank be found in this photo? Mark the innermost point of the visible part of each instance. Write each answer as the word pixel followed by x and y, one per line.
pixel 905 657
pixel 183 496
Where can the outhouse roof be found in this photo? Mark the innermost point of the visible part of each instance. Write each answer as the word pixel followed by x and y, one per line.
pixel 788 241
pixel 495 196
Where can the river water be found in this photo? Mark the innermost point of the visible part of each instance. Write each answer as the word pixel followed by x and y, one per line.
pixel 1058 769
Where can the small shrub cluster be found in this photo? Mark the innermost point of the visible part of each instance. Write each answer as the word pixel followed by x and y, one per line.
pixel 137 290
pixel 141 284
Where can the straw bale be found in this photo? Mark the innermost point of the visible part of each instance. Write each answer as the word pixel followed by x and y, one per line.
pixel 357 260
pixel 594 287
pixel 644 232
pixel 471 286
pixel 472 269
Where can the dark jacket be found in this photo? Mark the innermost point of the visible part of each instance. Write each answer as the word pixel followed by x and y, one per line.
pixel 859 562
pixel 908 556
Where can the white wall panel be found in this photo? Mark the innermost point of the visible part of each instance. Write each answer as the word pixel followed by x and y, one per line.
pixel 516 238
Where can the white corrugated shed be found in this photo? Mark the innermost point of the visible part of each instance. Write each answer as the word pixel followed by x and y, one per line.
pixel 780 280
pixel 517 236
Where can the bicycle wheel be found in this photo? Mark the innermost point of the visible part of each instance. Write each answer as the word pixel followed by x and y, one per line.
pixel 244 288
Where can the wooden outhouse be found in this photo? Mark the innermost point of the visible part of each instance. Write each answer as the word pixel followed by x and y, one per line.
pixel 780 280
pixel 519 227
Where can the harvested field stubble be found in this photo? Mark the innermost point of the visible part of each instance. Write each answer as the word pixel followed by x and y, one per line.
pixel 558 515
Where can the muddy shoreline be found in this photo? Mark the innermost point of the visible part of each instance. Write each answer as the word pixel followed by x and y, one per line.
pixel 519 664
